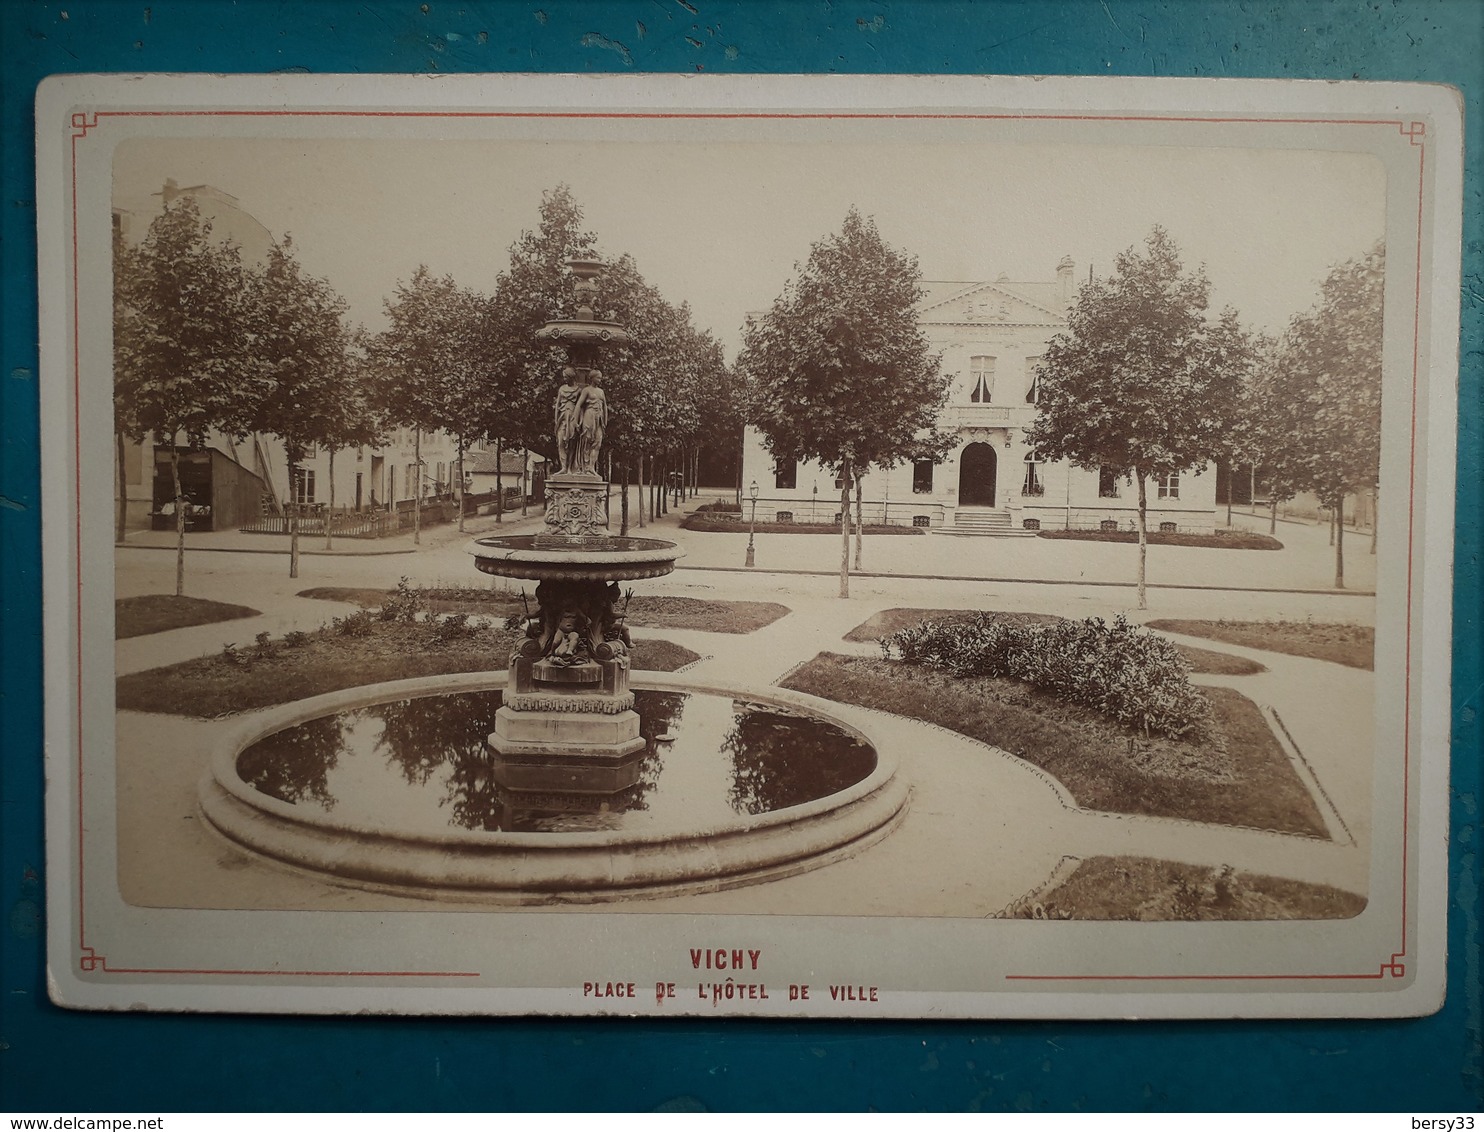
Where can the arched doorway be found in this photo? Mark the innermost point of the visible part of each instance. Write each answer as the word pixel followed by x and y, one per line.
pixel 976 475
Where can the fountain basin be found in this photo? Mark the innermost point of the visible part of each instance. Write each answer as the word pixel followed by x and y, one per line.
pixel 604 558
pixel 596 863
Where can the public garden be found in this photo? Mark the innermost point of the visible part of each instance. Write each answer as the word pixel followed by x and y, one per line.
pixel 1012 812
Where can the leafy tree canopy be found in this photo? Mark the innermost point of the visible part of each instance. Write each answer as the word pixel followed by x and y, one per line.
pixel 1142 381
pixel 300 343
pixel 1323 429
pixel 839 371
pixel 184 355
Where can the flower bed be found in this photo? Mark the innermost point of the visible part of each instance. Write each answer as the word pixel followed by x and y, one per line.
pixel 1129 674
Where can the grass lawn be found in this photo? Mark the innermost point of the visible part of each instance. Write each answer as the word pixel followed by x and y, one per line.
pixel 1219 540
pixel 888 621
pixel 1242 777
pixel 326 660
pixel 1139 888
pixel 158 613
pixel 643 612
pixel 1351 645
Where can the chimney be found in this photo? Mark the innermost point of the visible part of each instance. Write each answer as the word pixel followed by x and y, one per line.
pixel 170 191
pixel 1064 280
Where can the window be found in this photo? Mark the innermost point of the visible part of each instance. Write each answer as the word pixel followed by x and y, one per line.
pixel 1169 486
pixel 1031 524
pixel 311 451
pixel 1033 388
pixel 1108 525
pixel 921 521
pixel 922 477
pixel 439 483
pixel 1107 483
pixel 1033 484
pixel 1167 528
pixel 784 517
pixel 410 481
pixel 981 379
pixel 303 486
pixel 785 474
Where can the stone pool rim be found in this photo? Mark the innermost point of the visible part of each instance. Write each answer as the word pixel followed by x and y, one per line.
pixel 586 865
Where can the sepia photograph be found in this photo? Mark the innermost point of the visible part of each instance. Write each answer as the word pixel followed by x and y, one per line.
pixel 813 547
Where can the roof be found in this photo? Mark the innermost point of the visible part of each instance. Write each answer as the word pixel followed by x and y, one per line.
pixel 1044 294
pixel 483 463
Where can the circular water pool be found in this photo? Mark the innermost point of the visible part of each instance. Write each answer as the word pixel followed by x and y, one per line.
pixel 393 785
pixel 422 766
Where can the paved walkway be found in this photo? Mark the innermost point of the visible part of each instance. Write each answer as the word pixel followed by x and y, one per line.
pixel 982 830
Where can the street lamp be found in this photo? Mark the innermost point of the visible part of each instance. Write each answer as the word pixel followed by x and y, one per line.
pixel 752 525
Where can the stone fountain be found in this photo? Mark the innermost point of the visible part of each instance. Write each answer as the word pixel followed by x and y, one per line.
pixel 568 693
pixel 554 781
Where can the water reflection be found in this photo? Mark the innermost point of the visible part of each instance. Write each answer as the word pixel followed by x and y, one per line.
pixel 780 759
pixel 294 765
pixel 423 766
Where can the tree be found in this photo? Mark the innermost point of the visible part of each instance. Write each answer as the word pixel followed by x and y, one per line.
pixel 301 344
pixel 839 370
pixel 459 400
pixel 1142 382
pixel 1326 384
pixel 353 422
pixel 413 358
pixel 183 350
pixel 534 289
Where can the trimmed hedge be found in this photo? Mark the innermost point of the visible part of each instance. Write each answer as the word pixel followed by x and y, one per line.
pixel 732 523
pixel 1129 674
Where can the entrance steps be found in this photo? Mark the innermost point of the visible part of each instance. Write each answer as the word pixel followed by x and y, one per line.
pixel 983 522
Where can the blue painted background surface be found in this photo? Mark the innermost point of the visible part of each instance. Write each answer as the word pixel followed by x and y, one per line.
pixel 53 1060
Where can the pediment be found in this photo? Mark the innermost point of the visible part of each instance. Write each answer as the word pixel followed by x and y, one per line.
pixel 987 303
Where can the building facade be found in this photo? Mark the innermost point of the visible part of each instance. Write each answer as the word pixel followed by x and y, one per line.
pixel 992 336
pixel 231 471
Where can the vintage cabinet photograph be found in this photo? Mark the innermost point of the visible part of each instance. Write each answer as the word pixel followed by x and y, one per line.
pixel 777 546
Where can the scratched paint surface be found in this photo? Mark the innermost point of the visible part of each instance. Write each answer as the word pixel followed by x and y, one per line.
pixel 58 1061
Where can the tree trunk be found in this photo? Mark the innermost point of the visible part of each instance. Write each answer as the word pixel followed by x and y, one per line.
pixel 1273 521
pixel 1375 515
pixel 179 519
pixel 123 521
pixel 860 520
pixel 459 490
pixel 1339 539
pixel 639 488
pixel 845 475
pixel 623 504
pixel 1331 527
pixel 525 473
pixel 499 484
pixel 330 514
pixel 1143 539
pixel 293 516
pixel 417 486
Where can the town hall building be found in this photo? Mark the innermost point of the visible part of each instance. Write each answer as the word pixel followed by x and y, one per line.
pixel 991 336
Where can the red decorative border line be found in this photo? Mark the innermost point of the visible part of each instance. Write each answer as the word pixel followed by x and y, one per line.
pixel 1414 131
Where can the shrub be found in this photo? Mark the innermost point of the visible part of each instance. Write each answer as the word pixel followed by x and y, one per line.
pixel 296 638
pixel 232 656
pixel 452 628
pixel 265 648
pixel 725 505
pixel 1129 674
pixel 357 624
pixel 403 604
